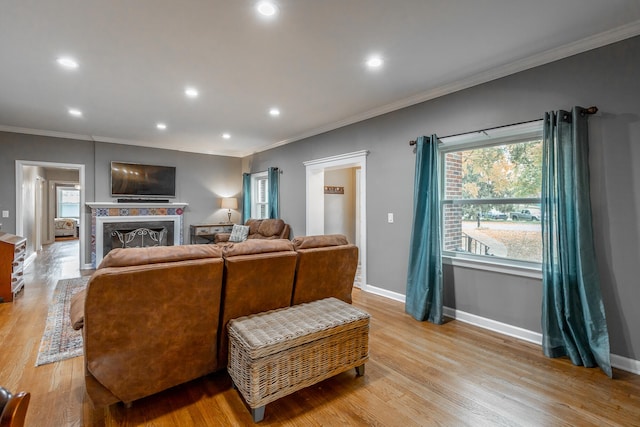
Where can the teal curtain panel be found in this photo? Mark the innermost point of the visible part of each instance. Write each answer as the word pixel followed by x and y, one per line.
pixel 424 276
pixel 573 316
pixel 246 197
pixel 273 175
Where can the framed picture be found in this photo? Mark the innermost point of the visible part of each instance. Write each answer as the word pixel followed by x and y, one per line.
pixel 333 190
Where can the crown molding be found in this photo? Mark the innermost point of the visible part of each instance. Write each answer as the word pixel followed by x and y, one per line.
pixel 94 138
pixel 593 42
pixel 40 132
pixel 338 158
pixel 109 140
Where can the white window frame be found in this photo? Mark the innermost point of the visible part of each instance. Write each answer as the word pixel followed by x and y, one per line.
pixel 256 204
pixel 59 190
pixel 498 136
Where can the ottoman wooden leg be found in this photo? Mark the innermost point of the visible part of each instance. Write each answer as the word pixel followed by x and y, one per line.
pixel 360 370
pixel 258 413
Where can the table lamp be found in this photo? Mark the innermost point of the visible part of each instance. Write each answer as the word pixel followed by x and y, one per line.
pixel 229 203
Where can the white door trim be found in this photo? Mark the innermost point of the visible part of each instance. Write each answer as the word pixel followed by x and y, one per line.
pixel 315 197
pixel 19 183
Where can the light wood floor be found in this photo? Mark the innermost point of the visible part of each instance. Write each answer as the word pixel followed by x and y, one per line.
pixel 419 374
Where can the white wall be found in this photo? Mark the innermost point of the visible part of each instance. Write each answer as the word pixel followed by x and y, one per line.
pixel 29 194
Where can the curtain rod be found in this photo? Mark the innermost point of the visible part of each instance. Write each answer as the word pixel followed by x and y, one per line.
pixel 266 170
pixel 589 111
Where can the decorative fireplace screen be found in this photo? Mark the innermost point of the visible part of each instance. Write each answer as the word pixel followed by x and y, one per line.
pixel 139 238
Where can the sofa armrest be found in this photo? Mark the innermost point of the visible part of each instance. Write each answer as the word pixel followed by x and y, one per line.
pixel 76 313
pixel 221 237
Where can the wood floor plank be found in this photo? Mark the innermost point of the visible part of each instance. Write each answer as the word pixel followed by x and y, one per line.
pixel 419 374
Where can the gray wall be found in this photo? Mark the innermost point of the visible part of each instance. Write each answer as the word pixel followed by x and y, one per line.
pixel 605 77
pixel 201 179
pixel 15 146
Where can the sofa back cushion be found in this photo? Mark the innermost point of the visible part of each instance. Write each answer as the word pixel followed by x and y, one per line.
pixel 122 257
pixel 271 228
pixel 256 246
pixel 327 270
pixel 259 277
pixel 142 321
pixel 254 225
pixel 320 241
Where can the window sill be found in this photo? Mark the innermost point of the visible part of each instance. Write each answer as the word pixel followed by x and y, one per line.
pixel 503 267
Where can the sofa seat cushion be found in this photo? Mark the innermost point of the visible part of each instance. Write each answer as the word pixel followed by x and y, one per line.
pixel 123 257
pixel 256 246
pixel 321 241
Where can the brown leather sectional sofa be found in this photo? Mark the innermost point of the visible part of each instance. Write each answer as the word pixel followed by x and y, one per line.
pixel 154 318
pixel 267 229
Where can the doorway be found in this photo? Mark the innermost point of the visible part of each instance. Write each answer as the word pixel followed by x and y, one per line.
pixel 315 203
pixel 34 216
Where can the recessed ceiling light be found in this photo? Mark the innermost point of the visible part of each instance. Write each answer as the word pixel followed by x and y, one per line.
pixel 191 92
pixel 274 112
pixel 267 8
pixel 375 62
pixel 161 126
pixel 226 135
pixel 67 62
pixel 75 112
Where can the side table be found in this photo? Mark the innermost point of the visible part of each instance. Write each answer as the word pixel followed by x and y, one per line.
pixel 206 233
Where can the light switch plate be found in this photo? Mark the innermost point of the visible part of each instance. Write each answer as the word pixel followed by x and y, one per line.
pixel 5 214
pixel 390 217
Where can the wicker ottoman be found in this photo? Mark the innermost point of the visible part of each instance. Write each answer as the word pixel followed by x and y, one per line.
pixel 278 352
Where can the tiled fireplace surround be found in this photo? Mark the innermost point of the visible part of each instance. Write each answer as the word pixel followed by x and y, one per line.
pixel 127 213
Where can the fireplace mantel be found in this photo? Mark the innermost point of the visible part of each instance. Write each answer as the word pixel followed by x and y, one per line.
pixel 132 212
pixel 110 205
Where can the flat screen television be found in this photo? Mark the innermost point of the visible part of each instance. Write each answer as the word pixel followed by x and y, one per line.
pixel 143 181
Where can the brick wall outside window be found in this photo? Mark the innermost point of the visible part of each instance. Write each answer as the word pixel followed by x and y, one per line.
pixel 452 216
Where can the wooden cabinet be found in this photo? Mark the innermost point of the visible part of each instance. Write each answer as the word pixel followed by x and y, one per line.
pixel 12 254
pixel 206 233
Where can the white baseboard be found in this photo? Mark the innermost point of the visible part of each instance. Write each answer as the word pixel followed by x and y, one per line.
pixel 29 259
pixel 384 293
pixel 619 362
pixel 626 364
pixel 493 325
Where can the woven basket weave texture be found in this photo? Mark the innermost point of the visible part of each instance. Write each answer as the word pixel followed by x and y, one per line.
pixel 276 353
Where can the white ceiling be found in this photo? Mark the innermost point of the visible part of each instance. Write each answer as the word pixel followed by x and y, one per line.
pixel 137 56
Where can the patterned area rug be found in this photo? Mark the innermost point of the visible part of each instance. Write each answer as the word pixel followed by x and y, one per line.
pixel 60 341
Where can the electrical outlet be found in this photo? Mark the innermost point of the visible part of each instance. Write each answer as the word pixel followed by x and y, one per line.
pixel 390 218
pixel 5 214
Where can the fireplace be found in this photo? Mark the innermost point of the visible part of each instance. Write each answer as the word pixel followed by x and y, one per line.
pixel 136 234
pixel 134 225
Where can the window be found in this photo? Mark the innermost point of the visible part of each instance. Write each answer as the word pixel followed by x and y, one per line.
pixel 260 195
pixel 68 202
pixel 492 182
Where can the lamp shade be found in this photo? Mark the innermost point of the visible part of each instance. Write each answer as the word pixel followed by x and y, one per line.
pixel 229 203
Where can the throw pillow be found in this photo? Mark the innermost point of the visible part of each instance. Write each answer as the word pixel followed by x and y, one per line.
pixel 239 233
